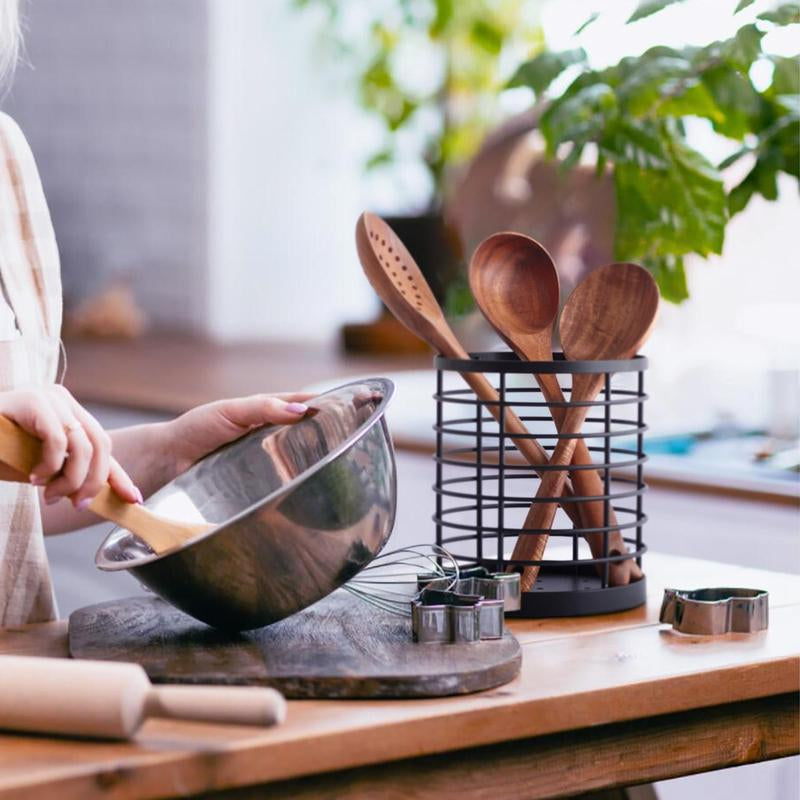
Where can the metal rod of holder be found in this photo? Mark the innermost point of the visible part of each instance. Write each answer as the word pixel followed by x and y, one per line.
pixel 479 480
pixel 501 476
pixel 438 494
pixel 640 464
pixel 606 473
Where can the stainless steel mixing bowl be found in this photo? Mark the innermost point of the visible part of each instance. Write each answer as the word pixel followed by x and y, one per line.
pixel 298 510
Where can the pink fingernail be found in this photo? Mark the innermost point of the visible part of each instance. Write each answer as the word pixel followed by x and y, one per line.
pixel 51 501
pixel 84 504
pixel 296 408
pixel 36 480
pixel 139 496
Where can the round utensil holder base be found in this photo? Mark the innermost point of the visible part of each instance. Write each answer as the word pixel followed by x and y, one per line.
pixel 484 487
pixel 565 592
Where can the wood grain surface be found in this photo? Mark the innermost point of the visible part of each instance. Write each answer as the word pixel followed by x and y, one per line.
pixel 577 676
pixel 566 764
pixel 340 647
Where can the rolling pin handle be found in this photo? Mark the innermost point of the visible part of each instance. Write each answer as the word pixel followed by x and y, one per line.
pixel 230 705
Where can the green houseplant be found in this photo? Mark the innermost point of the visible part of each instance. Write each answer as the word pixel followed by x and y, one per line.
pixel 631 117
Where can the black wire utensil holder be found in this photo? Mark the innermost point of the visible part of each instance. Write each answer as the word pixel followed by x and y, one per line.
pixel 484 487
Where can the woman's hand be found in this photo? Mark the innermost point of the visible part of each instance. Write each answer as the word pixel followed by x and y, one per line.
pixel 76 451
pixel 205 428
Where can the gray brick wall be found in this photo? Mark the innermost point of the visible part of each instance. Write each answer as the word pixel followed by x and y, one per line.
pixel 112 97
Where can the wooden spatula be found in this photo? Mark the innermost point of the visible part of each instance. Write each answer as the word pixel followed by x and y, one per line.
pixel 399 282
pixel 22 451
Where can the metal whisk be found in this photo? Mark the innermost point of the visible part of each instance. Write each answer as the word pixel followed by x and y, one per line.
pixel 390 581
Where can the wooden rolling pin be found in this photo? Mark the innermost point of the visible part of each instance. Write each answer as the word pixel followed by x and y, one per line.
pixel 110 700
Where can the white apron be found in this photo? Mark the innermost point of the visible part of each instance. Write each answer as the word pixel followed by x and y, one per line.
pixel 29 271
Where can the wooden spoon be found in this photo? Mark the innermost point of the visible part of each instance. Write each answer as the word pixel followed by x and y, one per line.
pixel 608 316
pixel 399 282
pixel 22 451
pixel 515 283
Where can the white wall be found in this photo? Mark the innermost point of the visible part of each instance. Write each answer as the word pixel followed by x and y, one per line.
pixel 286 156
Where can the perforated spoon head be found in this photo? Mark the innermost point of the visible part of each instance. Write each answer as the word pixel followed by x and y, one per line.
pixel 610 314
pixel 399 282
pixel 515 284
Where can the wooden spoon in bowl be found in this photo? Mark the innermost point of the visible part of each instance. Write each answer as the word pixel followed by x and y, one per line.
pixel 608 317
pixel 515 284
pixel 399 282
pixel 22 451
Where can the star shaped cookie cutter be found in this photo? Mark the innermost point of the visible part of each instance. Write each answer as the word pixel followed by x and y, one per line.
pixel 715 611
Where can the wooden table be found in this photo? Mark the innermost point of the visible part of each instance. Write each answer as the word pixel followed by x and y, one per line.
pixel 601 702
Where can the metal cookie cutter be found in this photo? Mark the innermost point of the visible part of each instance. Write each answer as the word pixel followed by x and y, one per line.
pixel 469 608
pixel 715 611
pixel 445 617
pixel 503 586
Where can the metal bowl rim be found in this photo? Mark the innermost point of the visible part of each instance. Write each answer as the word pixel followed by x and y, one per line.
pixel 388 393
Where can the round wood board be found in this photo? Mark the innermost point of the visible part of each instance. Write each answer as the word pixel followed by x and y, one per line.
pixel 340 647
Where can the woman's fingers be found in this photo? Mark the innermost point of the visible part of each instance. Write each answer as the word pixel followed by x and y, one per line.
pixel 75 452
pixel 261 409
pixel 122 484
pixel 76 467
pixel 35 415
pixel 80 448
pixel 298 397
pixel 97 473
pixel 89 464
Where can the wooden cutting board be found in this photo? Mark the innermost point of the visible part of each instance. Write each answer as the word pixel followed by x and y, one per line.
pixel 340 647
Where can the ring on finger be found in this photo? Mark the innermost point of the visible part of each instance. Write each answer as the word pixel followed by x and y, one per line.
pixel 72 427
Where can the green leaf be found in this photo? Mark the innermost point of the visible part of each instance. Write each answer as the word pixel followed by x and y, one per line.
pixel 587 23
pixel 675 207
pixel 379 159
pixel 733 158
pixel 743 4
pixel 744 48
pixel 694 100
pixel 785 77
pixel 574 156
pixel 458 299
pixel 643 87
pixel 736 98
pixel 786 14
pixel 444 14
pixel 577 116
pixel 762 179
pixel 487 36
pixel 648 7
pixel 541 71
pixel 670 276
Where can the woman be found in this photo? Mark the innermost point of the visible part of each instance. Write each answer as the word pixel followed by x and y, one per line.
pixel 78 457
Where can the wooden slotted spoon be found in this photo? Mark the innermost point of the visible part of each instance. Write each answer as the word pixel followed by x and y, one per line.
pixel 608 317
pixel 399 282
pixel 22 451
pixel 515 284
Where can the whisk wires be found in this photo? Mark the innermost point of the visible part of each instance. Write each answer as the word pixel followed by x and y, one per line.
pixel 380 582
